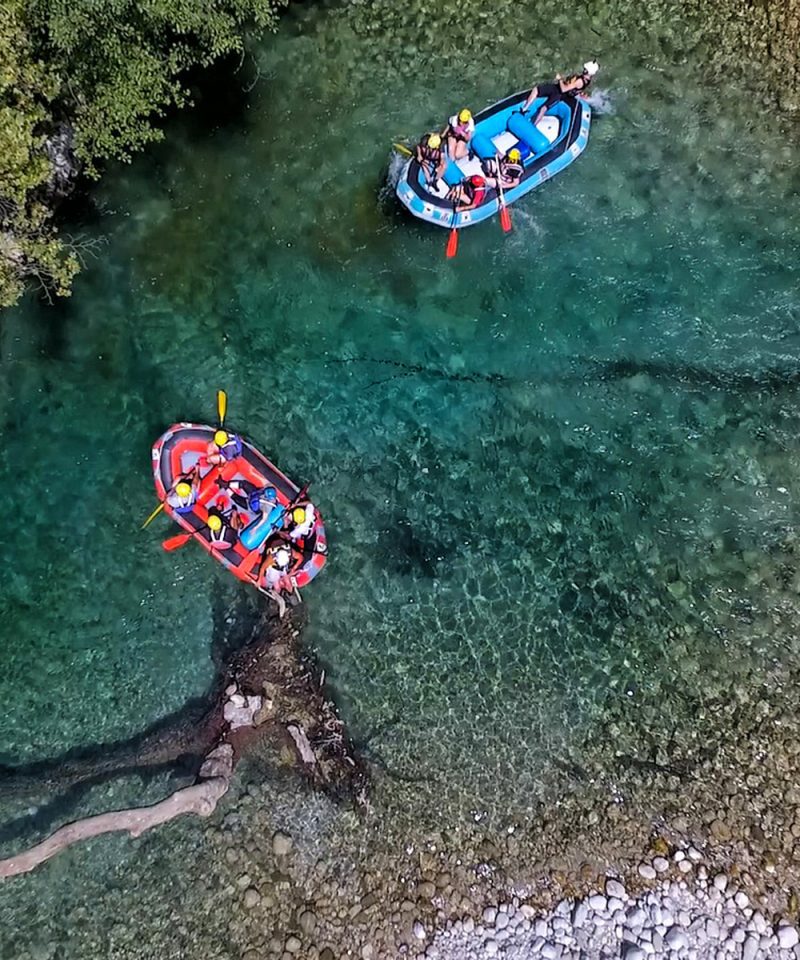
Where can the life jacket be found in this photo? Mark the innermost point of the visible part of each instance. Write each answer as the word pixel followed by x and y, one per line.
pixel 299 531
pixel 511 170
pixel 218 538
pixel 461 131
pixel 181 504
pixel 232 448
pixel 476 189
pixel 428 153
pixel 281 560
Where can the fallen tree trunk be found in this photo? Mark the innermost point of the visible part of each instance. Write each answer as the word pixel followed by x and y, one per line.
pixel 268 690
pixel 200 799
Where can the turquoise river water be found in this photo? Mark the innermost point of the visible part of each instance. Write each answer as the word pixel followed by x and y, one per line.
pixel 558 471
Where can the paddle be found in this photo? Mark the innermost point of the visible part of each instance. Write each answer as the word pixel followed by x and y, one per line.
pixel 222 406
pixel 154 514
pixel 452 240
pixel 401 149
pixel 177 541
pixel 505 216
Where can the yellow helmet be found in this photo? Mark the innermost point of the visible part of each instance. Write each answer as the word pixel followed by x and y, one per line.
pixel 464 116
pixel 434 141
pixel 514 155
pixel 299 515
pixel 220 438
pixel 214 522
pixel 183 489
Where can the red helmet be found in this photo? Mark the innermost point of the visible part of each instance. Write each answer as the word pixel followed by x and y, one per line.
pixel 477 181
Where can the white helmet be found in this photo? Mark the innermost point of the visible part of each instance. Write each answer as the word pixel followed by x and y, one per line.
pixel 591 67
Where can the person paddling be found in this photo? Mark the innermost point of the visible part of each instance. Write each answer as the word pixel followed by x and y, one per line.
pixel 509 167
pixel 218 531
pixel 430 156
pixel 468 194
pixel 183 495
pixel 562 87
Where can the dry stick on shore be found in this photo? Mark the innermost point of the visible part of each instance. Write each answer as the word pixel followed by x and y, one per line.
pixel 268 689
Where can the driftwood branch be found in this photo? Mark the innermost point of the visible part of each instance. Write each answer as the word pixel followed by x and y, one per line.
pixel 200 799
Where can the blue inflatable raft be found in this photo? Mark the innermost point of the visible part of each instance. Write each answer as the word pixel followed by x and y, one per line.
pixel 547 148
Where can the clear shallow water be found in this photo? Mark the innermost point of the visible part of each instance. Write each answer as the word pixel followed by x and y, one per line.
pixel 559 472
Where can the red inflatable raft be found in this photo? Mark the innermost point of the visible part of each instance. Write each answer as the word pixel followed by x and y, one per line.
pixel 225 490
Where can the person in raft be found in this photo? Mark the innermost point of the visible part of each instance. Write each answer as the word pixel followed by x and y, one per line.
pixel 183 495
pixel 225 446
pixel 468 194
pixel 220 534
pixel 571 86
pixel 458 133
pixel 280 560
pixel 430 156
pixel 510 168
pixel 301 522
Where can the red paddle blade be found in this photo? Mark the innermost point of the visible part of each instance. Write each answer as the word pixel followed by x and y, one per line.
pixel 178 541
pixel 452 243
pixel 505 219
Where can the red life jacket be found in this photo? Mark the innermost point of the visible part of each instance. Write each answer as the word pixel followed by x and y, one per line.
pixel 476 186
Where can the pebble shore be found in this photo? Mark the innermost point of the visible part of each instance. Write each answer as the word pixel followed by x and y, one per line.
pixel 701 918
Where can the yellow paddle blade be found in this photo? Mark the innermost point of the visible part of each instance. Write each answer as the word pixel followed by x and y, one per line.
pixel 154 514
pixel 222 405
pixel 402 149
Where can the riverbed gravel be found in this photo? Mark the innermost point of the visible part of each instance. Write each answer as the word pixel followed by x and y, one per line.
pixel 700 919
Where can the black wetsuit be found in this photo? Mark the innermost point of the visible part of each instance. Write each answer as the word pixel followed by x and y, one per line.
pixel 551 92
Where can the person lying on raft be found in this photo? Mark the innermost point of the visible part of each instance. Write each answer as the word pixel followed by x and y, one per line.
pixel 510 168
pixel 571 86
pixel 430 156
pixel 468 194
pixel 458 133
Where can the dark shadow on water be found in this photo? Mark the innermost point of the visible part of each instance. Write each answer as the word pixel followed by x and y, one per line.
pixel 174 744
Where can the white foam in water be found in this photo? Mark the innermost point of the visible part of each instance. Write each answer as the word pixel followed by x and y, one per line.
pixel 601 102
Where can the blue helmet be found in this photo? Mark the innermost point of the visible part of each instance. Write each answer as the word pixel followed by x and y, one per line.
pixel 255 498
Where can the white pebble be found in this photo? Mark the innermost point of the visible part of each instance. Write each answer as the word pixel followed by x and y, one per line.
pixel 646 871
pixel 787 936
pixel 489 915
pixel 675 939
pixel 615 889
pixel 750 948
pixel 598 903
pixel 741 900
pixel 660 864
pixel 720 881
pixel 418 930
pixel 631 951
pixel 694 854
pixel 580 913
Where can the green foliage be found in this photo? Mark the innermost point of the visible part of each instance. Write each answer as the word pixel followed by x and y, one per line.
pixel 110 69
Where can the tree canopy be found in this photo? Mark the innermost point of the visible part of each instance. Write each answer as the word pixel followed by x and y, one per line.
pixel 105 70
